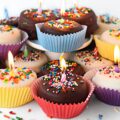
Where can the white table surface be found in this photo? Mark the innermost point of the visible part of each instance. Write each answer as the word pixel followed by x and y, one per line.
pixel 92 112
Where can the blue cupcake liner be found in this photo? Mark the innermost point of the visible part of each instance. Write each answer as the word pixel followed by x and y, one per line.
pixel 63 43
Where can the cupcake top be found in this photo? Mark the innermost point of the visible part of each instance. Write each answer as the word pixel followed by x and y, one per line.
pixel 13 21
pixel 107 77
pixel 9 34
pixel 61 27
pixel 22 77
pixel 77 12
pixel 111 36
pixel 46 15
pixel 91 60
pixel 53 67
pixel 106 18
pixel 33 55
pixel 73 89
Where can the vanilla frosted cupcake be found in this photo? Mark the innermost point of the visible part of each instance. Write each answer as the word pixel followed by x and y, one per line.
pixel 107 81
pixel 90 60
pixel 15 86
pixel 34 60
pixel 111 36
pixel 9 35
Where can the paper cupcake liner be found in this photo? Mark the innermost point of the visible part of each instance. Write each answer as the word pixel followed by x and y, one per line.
pixel 14 48
pixel 105 49
pixel 14 97
pixel 108 96
pixel 63 43
pixel 60 110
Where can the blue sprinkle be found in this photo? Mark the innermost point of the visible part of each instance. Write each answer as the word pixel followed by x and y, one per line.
pixel 100 116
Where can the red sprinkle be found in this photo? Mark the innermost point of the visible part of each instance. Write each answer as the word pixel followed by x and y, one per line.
pixel 29 110
pixel 12 113
pixel 6 116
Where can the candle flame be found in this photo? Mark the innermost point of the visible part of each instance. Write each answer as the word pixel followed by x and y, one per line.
pixel 62 63
pixel 116 54
pixel 62 8
pixel 11 63
pixel 76 3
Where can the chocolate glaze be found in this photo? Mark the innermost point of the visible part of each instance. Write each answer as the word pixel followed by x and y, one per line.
pixel 13 21
pixel 54 66
pixel 88 19
pixel 64 94
pixel 28 19
pixel 52 29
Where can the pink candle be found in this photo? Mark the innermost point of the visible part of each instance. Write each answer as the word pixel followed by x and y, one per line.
pixel 40 7
pixel 63 77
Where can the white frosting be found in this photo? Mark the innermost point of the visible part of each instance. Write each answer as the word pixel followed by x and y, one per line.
pixel 22 76
pixel 34 65
pixel 11 36
pixel 106 36
pixel 88 61
pixel 107 78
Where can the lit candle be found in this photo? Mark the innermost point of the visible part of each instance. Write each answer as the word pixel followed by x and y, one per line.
pixel 11 63
pixel 40 7
pixel 63 68
pixel 62 8
pixel 75 6
pixel 116 58
pixel 76 3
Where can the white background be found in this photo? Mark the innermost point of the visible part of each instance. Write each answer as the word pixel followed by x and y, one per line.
pixel 100 6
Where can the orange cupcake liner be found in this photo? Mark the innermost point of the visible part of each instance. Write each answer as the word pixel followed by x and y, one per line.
pixel 61 110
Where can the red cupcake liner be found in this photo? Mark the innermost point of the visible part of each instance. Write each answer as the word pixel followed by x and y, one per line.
pixel 14 48
pixel 108 96
pixel 60 110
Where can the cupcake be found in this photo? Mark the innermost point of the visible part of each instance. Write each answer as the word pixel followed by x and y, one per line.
pixel 12 39
pixel 111 36
pixel 61 35
pixel 54 67
pixel 13 21
pixel 106 42
pixel 14 86
pixel 90 60
pixel 56 56
pixel 34 59
pixel 9 35
pixel 107 22
pixel 107 81
pixel 84 16
pixel 28 19
pixel 65 98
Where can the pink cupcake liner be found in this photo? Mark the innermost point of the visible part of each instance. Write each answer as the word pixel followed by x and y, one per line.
pixel 60 110
pixel 108 96
pixel 14 48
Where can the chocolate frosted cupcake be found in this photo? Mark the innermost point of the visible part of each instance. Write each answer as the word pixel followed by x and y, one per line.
pixel 65 97
pixel 29 18
pixel 61 35
pixel 13 21
pixel 54 67
pixel 84 16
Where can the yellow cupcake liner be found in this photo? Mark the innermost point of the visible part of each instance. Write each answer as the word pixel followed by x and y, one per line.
pixel 105 49
pixel 14 97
